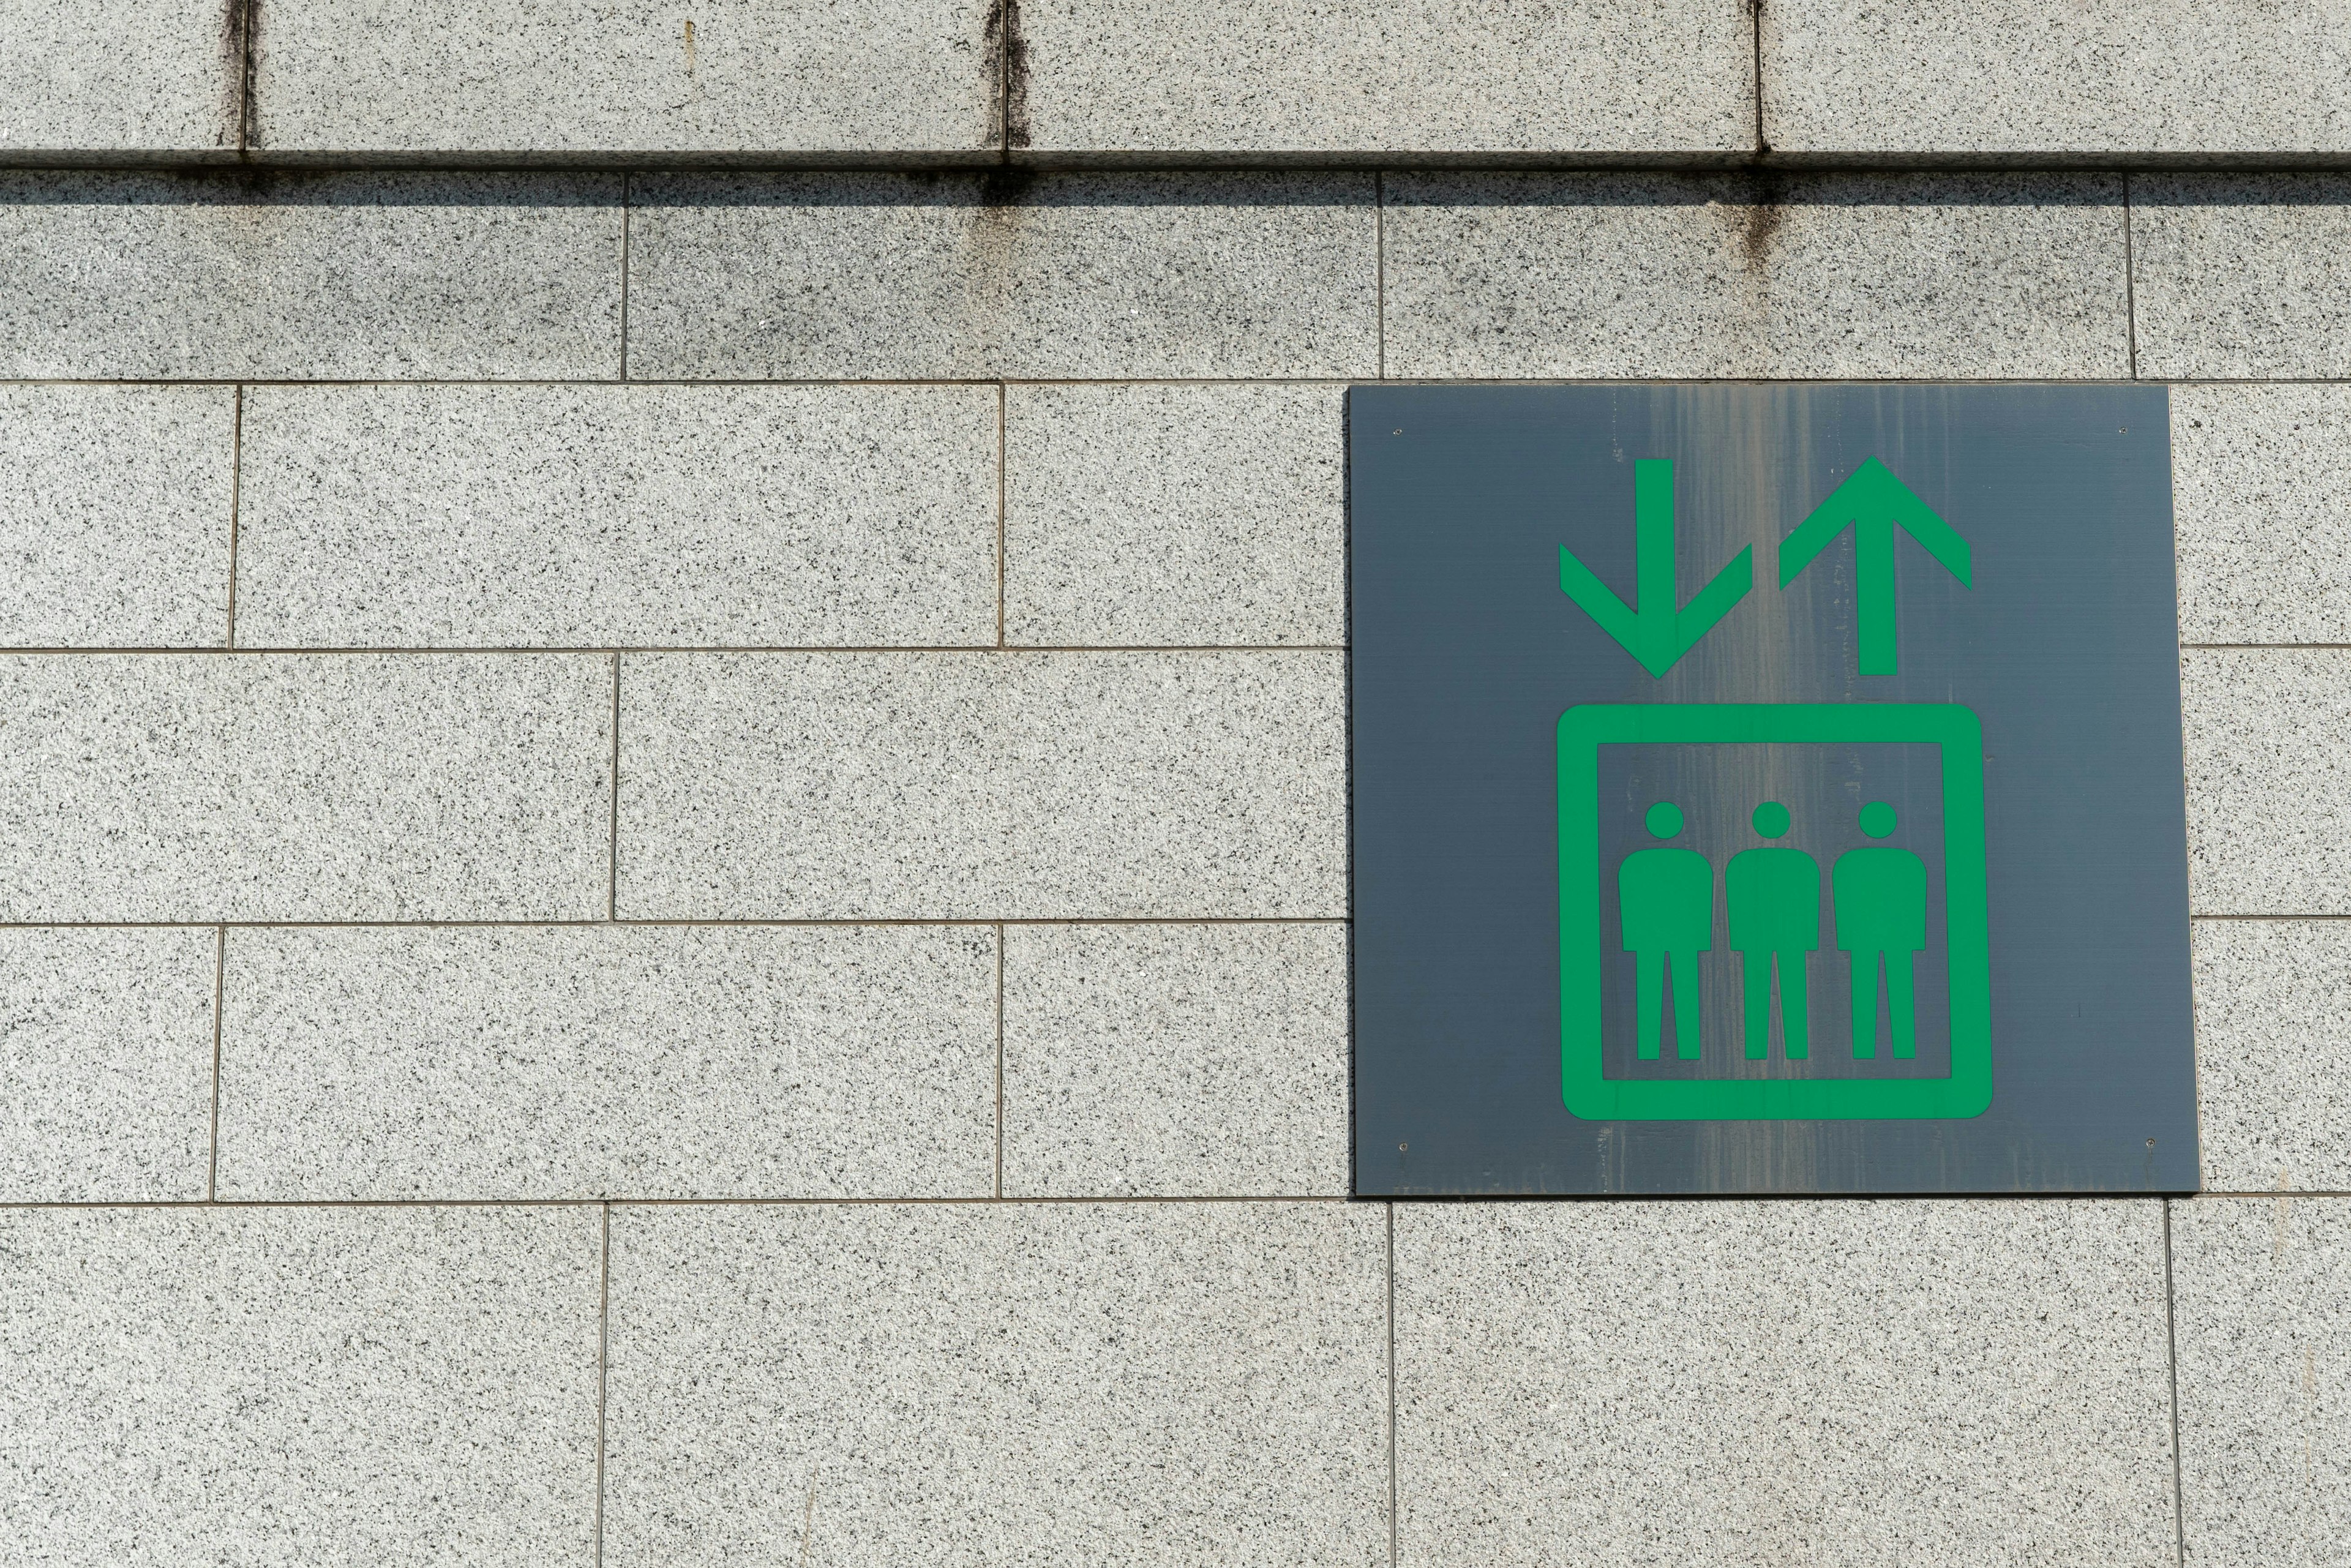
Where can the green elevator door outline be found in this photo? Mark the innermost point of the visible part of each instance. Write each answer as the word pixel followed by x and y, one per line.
pixel 1592 1096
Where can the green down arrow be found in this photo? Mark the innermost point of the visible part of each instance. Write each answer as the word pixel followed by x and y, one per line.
pixel 1656 633
pixel 1874 501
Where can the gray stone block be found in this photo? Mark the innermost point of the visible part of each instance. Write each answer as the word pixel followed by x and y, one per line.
pixel 1737 275
pixel 2263 1288
pixel 1734 1382
pixel 1173 1384
pixel 2120 75
pixel 2242 274
pixel 328 276
pixel 579 1061
pixel 120 76
pixel 106 1065
pixel 1175 1060
pixel 1174 515
pixel 2269 779
pixel 327 1387
pixel 591 517
pixel 2273 1054
pixel 2261 486
pixel 302 787
pixel 114 522
pixel 590 75
pixel 899 277
pixel 1462 77
pixel 982 786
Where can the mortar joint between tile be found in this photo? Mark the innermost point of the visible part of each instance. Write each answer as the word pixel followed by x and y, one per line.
pixel 2130 283
pixel 1000 1059
pixel 613 840
pixel 1755 25
pixel 603 1362
pixel 235 500
pixel 627 190
pixel 248 21
pixel 2171 1361
pixel 1002 485
pixel 220 1007
pixel 1380 270
pixel 1393 1489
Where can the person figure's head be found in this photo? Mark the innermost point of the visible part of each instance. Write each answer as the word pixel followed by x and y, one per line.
pixel 1771 819
pixel 1665 819
pixel 1877 818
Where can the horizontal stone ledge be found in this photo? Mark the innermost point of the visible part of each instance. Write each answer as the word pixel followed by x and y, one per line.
pixel 1361 160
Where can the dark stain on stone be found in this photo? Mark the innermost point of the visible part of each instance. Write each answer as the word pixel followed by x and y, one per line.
pixel 1006 185
pixel 1755 34
pixel 1010 52
pixel 249 188
pixel 1766 205
pixel 248 111
pixel 236 71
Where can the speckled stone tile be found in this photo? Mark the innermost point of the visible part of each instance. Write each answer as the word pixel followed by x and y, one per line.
pixel 982 786
pixel 120 76
pixel 1225 77
pixel 305 787
pixel 1935 275
pixel 2267 733
pixel 1175 1060
pixel 2119 75
pixel 2260 489
pixel 2243 274
pixel 1038 1382
pixel 1734 1383
pixel 299 1387
pixel 310 275
pixel 1175 516
pixel 588 1061
pixel 907 277
pixel 2262 1290
pixel 2273 1053
pixel 114 521
pixel 586 76
pixel 106 1064
pixel 591 517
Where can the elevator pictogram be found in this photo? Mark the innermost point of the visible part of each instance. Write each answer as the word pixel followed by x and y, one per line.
pixel 1716 913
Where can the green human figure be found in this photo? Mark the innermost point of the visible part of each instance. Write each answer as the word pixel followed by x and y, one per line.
pixel 1666 898
pixel 1775 914
pixel 1881 912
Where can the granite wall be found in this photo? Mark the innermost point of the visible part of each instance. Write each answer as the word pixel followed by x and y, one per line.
pixel 672 793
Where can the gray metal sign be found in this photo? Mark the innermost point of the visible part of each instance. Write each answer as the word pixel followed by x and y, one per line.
pixel 1766 789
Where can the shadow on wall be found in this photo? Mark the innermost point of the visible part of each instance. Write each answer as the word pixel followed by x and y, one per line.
pixel 1765 189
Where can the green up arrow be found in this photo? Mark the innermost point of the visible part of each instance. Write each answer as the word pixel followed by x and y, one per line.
pixel 1656 633
pixel 1874 501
